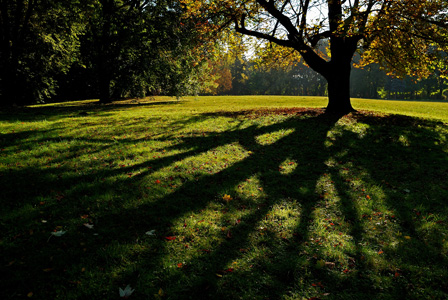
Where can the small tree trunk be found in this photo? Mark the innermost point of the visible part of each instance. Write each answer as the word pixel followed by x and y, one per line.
pixel 104 52
pixel 339 89
pixel 104 88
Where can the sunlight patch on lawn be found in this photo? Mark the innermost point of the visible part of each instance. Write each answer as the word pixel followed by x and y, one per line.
pixel 288 166
pixel 167 180
pixel 273 137
pixel 251 189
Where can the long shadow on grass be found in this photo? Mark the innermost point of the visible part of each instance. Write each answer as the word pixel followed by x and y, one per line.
pixel 276 265
pixel 304 144
pixel 276 270
pixel 402 161
pixel 78 110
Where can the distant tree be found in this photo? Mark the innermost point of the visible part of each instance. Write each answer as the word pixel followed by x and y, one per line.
pixel 224 81
pixel 239 76
pixel 365 82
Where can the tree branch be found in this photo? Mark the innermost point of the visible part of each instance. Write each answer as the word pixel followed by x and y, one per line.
pixel 243 30
pixel 284 20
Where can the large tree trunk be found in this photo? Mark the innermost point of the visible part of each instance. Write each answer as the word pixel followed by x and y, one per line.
pixel 339 89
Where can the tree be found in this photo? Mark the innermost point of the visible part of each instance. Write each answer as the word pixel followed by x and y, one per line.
pixel 415 29
pixel 38 40
pixel 106 48
pixel 139 47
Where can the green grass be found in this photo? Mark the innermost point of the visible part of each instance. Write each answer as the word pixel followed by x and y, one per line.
pixel 224 198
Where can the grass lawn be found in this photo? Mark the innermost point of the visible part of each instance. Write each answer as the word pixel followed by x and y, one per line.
pixel 224 198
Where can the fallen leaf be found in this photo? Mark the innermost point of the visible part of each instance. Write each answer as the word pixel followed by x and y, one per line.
pixel 58 233
pixel 126 292
pixel 227 198
pixel 90 226
pixel 170 238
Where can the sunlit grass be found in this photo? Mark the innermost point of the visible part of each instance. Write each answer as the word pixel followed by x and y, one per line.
pixel 224 198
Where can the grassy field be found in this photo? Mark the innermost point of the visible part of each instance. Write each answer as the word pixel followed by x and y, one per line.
pixel 224 198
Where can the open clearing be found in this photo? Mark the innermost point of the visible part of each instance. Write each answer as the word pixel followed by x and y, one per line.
pixel 224 198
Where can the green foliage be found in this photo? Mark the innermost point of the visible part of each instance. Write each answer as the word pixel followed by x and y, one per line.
pixel 39 40
pixel 99 48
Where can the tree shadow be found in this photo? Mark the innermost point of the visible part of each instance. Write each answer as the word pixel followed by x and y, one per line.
pixel 75 110
pixel 318 150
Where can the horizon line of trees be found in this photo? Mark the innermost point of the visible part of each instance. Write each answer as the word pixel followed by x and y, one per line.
pixel 110 49
pixel 242 76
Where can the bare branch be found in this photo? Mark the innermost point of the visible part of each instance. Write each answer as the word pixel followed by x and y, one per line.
pixel 243 30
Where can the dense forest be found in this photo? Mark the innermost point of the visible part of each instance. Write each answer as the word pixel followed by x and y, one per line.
pixel 106 49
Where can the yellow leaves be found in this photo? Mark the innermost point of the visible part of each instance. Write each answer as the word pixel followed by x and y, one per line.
pixel 403 41
pixel 273 56
pixel 227 198
pixel 160 294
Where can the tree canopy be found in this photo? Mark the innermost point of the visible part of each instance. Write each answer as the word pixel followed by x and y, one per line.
pixel 115 48
pixel 99 48
pixel 406 37
pixel 37 40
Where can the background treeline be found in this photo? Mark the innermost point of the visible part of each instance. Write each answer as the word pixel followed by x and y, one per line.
pixel 109 49
pixel 240 75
